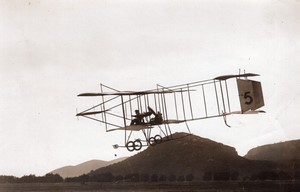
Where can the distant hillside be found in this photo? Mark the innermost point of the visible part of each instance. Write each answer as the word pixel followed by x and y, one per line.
pixel 289 150
pixel 186 155
pixel 83 168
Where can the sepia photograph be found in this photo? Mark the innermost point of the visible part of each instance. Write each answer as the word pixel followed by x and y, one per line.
pixel 149 95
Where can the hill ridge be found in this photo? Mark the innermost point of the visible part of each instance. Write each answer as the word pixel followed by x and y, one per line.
pixel 276 152
pixel 190 154
pixel 84 168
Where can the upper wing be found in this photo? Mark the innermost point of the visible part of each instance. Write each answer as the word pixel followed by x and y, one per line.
pixel 130 93
pixel 225 77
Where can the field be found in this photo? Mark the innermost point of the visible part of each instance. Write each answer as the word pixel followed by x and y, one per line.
pixel 266 186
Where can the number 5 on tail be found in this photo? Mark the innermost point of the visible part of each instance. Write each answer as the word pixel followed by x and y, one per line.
pixel 250 93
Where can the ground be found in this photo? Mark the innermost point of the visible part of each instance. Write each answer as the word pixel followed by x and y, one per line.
pixel 282 186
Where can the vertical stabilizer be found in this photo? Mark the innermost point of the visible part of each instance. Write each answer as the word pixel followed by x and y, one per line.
pixel 250 93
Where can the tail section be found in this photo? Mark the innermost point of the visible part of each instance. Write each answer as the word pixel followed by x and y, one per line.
pixel 251 95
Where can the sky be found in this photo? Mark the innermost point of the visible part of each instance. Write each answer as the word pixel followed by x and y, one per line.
pixel 50 51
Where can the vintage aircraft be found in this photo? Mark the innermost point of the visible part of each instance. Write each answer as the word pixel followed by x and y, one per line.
pixel 133 111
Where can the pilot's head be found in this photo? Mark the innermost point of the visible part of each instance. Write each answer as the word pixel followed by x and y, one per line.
pixel 137 111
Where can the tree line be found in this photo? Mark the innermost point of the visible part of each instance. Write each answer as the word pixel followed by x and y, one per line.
pixel 48 178
pixel 136 177
pixel 258 176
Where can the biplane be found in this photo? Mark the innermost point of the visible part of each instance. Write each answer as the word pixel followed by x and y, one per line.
pixel 159 108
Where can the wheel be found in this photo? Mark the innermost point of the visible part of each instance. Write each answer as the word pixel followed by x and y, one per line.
pixel 130 146
pixel 158 139
pixel 152 141
pixel 137 145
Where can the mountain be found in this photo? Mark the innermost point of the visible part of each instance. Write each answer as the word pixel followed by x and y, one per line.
pixel 186 154
pixel 83 168
pixel 276 152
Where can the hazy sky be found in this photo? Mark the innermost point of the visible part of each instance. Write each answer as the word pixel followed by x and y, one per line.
pixel 52 50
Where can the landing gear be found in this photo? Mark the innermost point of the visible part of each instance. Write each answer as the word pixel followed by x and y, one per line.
pixel 134 145
pixel 155 140
pixel 137 144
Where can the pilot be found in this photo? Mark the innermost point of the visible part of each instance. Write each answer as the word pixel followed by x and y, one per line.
pixel 138 118
pixel 158 118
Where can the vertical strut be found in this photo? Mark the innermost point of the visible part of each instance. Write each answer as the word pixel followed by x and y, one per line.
pixel 162 106
pixel 145 103
pixel 224 108
pixel 183 104
pixel 125 107
pixel 124 117
pixel 154 95
pixel 140 102
pixel 204 100
pixel 227 97
pixel 188 88
pixel 130 105
pixel 165 105
pixel 147 97
pixel 158 96
pixel 217 96
pixel 101 87
pixel 175 105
